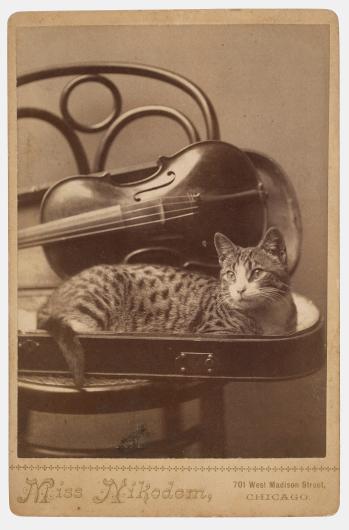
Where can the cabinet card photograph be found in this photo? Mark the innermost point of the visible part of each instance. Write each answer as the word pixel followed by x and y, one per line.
pixel 174 263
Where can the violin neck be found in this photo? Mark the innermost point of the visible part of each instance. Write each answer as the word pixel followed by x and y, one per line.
pixel 110 219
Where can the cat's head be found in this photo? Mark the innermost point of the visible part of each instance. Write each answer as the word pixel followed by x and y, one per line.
pixel 253 276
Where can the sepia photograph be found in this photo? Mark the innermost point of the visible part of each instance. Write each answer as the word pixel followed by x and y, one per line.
pixel 172 240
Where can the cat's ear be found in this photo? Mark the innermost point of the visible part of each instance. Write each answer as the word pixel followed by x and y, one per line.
pixel 273 243
pixel 223 246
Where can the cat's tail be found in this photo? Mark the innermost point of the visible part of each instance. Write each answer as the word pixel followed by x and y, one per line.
pixel 68 342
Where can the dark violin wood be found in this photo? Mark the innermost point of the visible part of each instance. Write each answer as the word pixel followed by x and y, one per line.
pixel 207 187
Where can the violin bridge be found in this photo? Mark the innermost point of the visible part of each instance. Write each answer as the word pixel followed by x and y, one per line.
pixel 162 212
pixel 193 196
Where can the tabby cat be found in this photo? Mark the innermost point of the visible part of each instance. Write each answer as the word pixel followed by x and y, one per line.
pixel 252 296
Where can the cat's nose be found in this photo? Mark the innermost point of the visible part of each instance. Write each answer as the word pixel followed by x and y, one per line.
pixel 241 290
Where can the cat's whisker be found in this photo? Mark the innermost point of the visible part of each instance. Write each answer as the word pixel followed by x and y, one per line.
pixel 274 297
pixel 283 283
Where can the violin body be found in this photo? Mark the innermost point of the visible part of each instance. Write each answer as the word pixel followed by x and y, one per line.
pixel 218 179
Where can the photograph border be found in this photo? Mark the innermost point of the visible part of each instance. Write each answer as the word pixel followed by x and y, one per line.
pixel 328 465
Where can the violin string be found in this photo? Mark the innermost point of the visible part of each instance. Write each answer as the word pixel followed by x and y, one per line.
pixel 114 218
pixel 88 217
pixel 115 224
pixel 98 230
pixel 121 221
pixel 127 223
pixel 164 201
pixel 84 220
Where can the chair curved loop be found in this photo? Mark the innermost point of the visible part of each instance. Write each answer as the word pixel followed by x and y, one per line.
pixel 92 72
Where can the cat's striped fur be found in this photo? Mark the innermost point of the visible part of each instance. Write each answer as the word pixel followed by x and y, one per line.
pixel 164 299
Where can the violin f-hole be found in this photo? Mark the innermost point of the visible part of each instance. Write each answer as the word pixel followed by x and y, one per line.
pixel 169 173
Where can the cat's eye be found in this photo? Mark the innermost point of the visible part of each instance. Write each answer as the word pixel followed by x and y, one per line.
pixel 256 273
pixel 230 275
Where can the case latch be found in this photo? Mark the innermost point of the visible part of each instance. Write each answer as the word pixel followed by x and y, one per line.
pixel 28 346
pixel 196 363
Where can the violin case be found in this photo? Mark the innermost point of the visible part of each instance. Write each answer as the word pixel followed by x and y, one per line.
pixel 128 373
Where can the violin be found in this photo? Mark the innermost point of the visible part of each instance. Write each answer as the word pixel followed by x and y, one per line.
pixel 168 216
